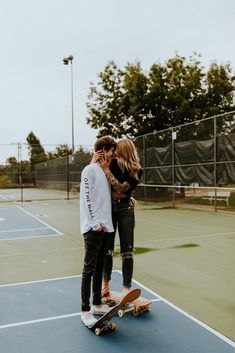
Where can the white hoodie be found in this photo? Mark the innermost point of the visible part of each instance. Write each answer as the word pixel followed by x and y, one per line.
pixel 95 200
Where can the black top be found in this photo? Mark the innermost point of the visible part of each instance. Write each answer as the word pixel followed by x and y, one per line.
pixel 124 176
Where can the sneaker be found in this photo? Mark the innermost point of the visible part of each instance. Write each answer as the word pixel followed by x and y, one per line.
pixel 88 319
pixel 100 309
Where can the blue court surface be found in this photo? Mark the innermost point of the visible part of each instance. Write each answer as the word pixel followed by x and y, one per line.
pixel 17 223
pixel 44 317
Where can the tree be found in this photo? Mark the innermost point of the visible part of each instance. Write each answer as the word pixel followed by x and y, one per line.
pixel 11 171
pixel 134 105
pixel 61 151
pixel 82 157
pixel 130 102
pixel 36 152
pixel 184 90
pixel 12 161
pixel 105 102
pixel 220 89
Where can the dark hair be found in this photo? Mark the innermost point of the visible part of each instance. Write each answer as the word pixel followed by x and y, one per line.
pixel 104 142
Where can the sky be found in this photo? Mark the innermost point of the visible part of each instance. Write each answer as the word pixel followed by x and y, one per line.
pixel 35 35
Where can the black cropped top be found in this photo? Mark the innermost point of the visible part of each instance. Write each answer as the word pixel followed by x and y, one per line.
pixel 124 176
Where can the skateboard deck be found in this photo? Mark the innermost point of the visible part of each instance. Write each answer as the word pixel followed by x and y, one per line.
pixel 137 306
pixel 103 323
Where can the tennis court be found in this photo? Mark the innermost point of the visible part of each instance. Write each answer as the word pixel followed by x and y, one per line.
pixel 52 323
pixel 185 258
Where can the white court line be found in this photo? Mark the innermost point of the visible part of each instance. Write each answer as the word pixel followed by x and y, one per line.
pixel 39 220
pixel 23 323
pixel 32 236
pixel 47 226
pixel 159 298
pixel 186 237
pixel 202 324
pixel 41 281
pixel 3 197
pixel 22 230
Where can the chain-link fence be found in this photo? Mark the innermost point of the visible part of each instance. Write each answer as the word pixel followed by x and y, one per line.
pixel 54 178
pixel 191 164
pixel 62 173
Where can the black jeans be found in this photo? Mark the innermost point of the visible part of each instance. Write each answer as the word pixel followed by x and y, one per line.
pixel 123 217
pixel 95 244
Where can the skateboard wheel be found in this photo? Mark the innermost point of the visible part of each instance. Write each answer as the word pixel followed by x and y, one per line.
pixel 121 313
pixel 97 331
pixel 112 326
pixel 137 312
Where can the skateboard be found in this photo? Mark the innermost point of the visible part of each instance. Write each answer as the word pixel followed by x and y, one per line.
pixel 103 323
pixel 137 306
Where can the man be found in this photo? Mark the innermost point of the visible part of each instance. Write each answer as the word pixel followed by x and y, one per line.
pixel 95 224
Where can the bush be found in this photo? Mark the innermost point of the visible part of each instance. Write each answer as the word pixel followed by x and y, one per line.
pixel 232 199
pixel 5 181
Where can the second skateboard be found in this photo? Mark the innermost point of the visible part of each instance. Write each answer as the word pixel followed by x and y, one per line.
pixel 137 306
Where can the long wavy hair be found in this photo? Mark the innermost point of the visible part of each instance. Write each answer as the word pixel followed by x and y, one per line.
pixel 127 157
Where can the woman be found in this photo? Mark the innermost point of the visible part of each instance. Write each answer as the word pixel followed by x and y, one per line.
pixel 124 173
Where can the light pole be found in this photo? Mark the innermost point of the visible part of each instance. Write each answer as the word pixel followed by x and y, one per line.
pixel 66 61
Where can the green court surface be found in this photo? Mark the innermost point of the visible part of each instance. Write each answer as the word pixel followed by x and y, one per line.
pixel 186 256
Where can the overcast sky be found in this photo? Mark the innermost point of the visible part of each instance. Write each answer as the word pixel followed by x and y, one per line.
pixel 35 35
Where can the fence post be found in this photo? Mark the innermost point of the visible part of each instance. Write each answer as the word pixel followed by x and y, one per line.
pixel 20 171
pixel 144 167
pixel 67 174
pixel 173 137
pixel 215 165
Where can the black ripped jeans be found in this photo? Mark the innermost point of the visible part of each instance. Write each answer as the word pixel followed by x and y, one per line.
pixel 95 245
pixel 123 217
